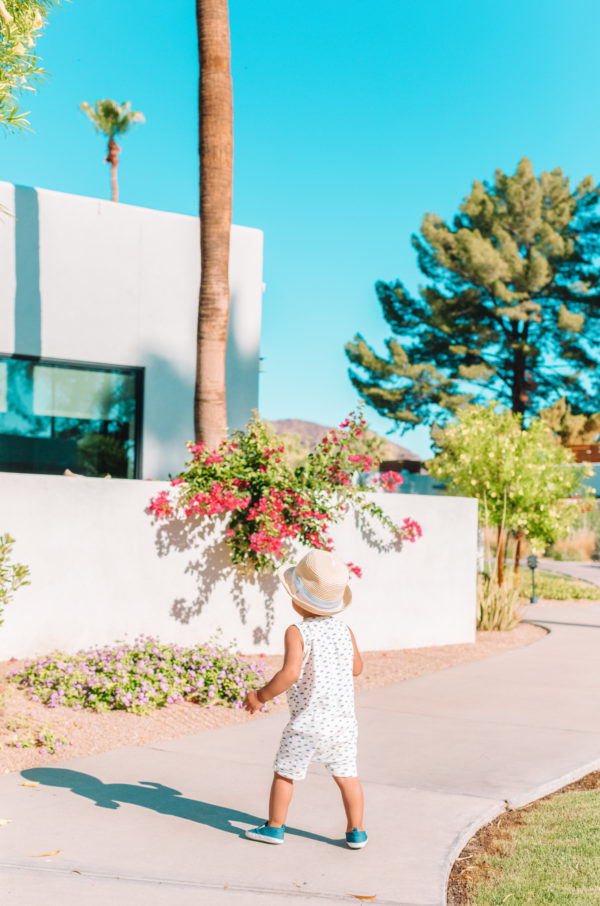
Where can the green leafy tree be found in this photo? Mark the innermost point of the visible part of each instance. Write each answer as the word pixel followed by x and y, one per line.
pixel 511 307
pixel 112 120
pixel 526 481
pixel 21 22
pixel 570 427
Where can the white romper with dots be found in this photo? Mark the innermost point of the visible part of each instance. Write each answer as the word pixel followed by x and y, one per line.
pixel 322 725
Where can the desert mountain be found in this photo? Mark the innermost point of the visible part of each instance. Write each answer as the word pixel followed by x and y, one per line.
pixel 310 433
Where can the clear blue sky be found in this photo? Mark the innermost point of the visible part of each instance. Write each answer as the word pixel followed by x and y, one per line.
pixel 352 119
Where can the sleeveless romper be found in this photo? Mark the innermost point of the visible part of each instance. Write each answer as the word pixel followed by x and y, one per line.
pixel 322 725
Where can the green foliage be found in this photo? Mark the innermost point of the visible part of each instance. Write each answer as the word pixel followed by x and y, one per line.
pixel 295 451
pixel 21 22
pixel 549 856
pixel 498 606
pixel 589 518
pixel 140 677
pixel 578 545
pixel 571 427
pixel 368 444
pixel 266 506
pixel 524 479
pixel 101 454
pixel 371 446
pixel 12 575
pixel 30 734
pixel 557 588
pixel 513 284
pixel 110 118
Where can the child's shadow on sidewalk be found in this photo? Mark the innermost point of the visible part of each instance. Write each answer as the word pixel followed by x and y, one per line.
pixel 157 798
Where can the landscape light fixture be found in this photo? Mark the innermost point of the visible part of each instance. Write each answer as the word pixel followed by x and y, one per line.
pixel 532 562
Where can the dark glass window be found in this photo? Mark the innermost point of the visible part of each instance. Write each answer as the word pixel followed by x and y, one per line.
pixel 63 415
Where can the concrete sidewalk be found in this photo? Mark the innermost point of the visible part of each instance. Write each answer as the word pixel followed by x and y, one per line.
pixel 439 756
pixel 587 570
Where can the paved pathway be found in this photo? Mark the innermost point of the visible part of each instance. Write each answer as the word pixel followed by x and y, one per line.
pixel 439 756
pixel 589 571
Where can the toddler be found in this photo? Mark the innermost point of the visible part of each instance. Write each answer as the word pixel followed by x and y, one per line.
pixel 320 659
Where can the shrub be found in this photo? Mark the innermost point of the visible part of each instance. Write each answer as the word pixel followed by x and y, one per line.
pixel 12 575
pixel 36 736
pixel 498 606
pixel 265 505
pixel 527 482
pixel 140 677
pixel 580 545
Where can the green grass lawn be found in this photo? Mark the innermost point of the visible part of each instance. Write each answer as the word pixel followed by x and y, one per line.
pixel 555 587
pixel 552 857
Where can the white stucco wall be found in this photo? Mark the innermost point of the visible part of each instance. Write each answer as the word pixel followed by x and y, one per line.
pixel 88 280
pixel 102 570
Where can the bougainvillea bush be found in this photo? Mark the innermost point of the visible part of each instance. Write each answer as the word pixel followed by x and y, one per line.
pixel 266 506
pixel 140 676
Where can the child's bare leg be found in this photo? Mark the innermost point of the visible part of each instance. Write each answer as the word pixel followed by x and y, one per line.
pixel 279 800
pixel 352 797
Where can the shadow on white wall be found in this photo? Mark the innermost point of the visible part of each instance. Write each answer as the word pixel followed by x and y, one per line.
pixel 212 568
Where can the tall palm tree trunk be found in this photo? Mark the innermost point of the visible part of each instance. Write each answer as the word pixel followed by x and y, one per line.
pixel 216 179
pixel 114 183
pixel 112 158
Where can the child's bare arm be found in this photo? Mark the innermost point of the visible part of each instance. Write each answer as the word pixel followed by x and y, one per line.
pixel 358 664
pixel 284 678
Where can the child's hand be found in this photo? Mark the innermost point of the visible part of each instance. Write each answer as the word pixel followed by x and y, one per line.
pixel 251 702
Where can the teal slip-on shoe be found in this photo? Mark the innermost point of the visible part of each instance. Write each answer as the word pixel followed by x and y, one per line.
pixel 356 839
pixel 266 834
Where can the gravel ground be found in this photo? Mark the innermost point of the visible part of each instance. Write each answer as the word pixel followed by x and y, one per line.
pixel 88 732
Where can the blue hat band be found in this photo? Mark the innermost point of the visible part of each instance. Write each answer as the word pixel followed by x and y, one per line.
pixel 303 592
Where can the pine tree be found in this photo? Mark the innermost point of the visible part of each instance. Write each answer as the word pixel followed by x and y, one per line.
pixel 571 428
pixel 511 308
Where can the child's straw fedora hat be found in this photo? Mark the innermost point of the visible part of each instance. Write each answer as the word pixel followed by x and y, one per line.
pixel 318 583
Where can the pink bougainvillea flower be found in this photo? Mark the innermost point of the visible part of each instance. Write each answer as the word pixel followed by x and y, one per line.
pixel 391 480
pixel 160 506
pixel 264 506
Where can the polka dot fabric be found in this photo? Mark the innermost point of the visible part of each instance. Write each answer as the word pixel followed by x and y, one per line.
pixel 322 725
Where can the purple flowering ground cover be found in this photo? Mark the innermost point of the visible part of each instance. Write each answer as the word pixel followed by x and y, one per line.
pixel 31 733
pixel 140 676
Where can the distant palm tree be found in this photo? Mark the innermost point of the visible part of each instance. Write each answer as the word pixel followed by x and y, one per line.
pixel 216 165
pixel 112 119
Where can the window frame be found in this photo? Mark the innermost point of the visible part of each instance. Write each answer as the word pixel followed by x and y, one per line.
pixel 139 380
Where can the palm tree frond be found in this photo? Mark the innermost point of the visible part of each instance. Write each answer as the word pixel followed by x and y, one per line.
pixel 111 118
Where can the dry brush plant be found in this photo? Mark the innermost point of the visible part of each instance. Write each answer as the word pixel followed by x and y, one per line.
pixel 498 606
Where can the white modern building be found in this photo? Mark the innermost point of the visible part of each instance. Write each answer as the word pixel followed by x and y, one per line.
pixel 98 308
